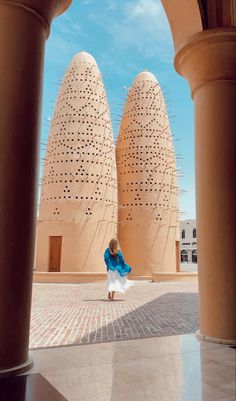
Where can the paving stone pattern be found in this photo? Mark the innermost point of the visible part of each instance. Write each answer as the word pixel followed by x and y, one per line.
pixel 64 314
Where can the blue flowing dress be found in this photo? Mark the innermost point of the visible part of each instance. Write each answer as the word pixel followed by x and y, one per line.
pixel 117 271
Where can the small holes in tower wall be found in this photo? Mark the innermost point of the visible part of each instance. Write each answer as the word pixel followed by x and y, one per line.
pixel 79 185
pixel 147 176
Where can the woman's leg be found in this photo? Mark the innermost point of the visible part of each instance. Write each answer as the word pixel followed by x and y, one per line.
pixel 113 295
pixel 109 295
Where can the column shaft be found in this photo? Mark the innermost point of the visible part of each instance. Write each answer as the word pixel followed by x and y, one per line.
pixel 215 151
pixel 208 62
pixel 22 38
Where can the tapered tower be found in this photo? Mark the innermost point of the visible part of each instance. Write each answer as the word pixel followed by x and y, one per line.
pixel 77 215
pixel 147 181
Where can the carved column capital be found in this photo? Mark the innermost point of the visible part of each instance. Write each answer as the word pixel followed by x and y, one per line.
pixel 44 10
pixel 208 56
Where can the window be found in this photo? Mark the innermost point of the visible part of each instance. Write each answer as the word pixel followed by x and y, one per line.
pixel 184 256
pixel 194 233
pixel 183 234
pixel 194 256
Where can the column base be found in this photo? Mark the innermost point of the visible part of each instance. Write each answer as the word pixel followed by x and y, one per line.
pixel 16 370
pixel 214 340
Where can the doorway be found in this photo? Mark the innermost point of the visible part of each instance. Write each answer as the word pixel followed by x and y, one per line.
pixel 184 256
pixel 194 256
pixel 55 244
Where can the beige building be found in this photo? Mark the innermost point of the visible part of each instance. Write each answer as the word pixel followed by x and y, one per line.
pixel 78 206
pixel 77 215
pixel 148 227
pixel 188 241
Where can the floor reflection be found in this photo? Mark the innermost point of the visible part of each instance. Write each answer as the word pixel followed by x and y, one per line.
pixel 172 368
pixel 28 388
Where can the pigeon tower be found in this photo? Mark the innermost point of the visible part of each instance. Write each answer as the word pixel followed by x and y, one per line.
pixel 148 226
pixel 78 206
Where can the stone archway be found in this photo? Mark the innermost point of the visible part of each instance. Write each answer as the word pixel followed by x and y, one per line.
pixel 204 35
pixel 184 18
pixel 24 28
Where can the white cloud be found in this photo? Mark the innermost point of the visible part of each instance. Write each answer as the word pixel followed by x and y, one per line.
pixel 68 25
pixel 65 39
pixel 86 2
pixel 111 5
pixel 139 25
pixel 146 9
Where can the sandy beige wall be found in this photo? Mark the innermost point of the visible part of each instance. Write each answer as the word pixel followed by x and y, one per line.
pixel 80 251
pixel 79 185
pixel 147 180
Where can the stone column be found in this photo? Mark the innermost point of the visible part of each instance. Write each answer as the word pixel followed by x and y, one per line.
pixel 208 62
pixel 24 27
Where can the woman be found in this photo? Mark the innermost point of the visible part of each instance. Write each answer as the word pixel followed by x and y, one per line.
pixel 117 270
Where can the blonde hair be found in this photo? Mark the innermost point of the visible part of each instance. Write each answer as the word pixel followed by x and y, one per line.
pixel 114 246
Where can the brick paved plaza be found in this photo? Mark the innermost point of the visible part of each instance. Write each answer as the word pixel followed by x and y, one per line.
pixel 66 314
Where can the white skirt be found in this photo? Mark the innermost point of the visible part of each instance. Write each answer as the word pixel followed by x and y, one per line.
pixel 117 283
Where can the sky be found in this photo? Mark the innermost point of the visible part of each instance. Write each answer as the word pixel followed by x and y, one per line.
pixel 125 37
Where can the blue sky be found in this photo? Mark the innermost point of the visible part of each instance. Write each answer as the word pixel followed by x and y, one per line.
pixel 125 37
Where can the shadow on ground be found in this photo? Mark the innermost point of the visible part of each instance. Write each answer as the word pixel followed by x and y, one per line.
pixel 103 300
pixel 169 314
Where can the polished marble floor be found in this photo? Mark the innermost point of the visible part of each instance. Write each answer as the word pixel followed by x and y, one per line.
pixel 171 368
pixel 28 387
